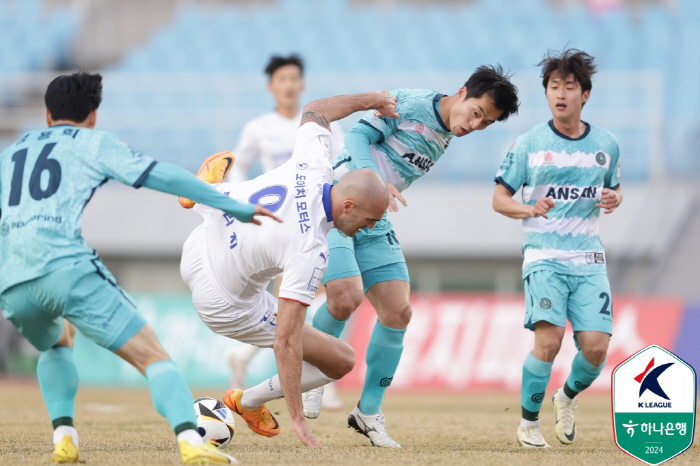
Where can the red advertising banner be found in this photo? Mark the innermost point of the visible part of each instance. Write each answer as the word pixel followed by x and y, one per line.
pixel 477 341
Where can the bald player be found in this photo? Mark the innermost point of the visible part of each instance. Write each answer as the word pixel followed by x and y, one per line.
pixel 228 265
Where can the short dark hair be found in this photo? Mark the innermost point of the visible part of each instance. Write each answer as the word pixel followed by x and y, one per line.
pixel 276 62
pixel 73 97
pixel 570 61
pixel 494 82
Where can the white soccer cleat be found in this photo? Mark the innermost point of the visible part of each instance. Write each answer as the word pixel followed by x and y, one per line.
pixel 311 402
pixel 371 426
pixel 531 437
pixel 330 400
pixel 565 426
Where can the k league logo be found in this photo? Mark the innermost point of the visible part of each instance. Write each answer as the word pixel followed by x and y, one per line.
pixel 653 403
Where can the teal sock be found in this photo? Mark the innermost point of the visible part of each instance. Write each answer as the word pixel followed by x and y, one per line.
pixel 171 397
pixel 58 380
pixel 325 322
pixel 383 356
pixel 536 375
pixel 582 375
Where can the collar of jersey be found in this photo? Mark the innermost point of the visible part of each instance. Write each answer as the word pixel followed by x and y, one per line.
pixel 327 202
pixel 564 136
pixel 436 107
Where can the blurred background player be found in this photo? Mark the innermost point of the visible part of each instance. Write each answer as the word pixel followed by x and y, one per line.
pixel 569 170
pixel 401 150
pixel 229 266
pixel 48 273
pixel 269 139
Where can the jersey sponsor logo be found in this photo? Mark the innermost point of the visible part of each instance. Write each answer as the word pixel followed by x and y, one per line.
pixel 600 158
pixel 548 158
pixel 420 129
pixel 419 161
pixel 595 258
pixel 508 160
pixel 564 193
pixel 270 318
pixel 7 226
pixel 302 207
pixel 315 279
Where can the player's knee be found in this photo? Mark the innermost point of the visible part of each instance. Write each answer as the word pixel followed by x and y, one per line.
pixel 596 353
pixel 549 348
pixel 343 303
pixel 398 317
pixel 405 315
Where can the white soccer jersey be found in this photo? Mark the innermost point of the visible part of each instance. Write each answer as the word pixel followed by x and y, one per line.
pixel 270 138
pixel 242 258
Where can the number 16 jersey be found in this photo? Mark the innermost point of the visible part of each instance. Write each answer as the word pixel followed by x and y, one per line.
pixel 46 179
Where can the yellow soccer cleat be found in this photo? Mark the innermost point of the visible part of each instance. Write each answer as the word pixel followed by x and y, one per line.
pixel 213 170
pixel 260 420
pixel 65 451
pixel 203 454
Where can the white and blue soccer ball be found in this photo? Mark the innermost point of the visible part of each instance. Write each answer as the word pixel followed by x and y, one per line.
pixel 215 421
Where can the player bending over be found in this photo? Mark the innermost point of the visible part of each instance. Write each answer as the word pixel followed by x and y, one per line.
pixel 401 150
pixel 569 170
pixel 48 273
pixel 228 265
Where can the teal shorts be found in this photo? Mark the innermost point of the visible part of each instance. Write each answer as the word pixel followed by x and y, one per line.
pixel 584 300
pixel 85 294
pixel 375 254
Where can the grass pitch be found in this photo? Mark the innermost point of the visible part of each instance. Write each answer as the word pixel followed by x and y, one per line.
pixel 120 427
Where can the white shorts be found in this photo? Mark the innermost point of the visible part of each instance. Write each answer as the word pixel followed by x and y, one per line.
pixel 253 324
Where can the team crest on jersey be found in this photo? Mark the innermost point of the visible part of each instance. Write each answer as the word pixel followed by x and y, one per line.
pixel 302 165
pixel 548 158
pixel 420 129
pixel 545 303
pixel 600 158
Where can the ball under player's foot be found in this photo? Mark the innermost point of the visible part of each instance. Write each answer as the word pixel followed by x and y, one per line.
pixel 260 420
pixel 213 170
pixel 203 454
pixel 371 426
pixel 565 426
pixel 311 402
pixel 65 451
pixel 531 437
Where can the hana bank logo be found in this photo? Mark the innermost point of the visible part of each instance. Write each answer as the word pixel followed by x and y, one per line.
pixel 649 380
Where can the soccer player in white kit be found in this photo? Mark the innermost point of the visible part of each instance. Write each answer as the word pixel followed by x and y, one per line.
pixel 228 265
pixel 269 138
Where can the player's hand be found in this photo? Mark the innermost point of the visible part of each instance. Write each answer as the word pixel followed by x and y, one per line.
pixel 395 194
pixel 541 207
pixel 609 201
pixel 265 213
pixel 302 431
pixel 386 105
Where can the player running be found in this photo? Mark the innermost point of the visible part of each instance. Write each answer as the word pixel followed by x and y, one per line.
pixel 401 150
pixel 48 273
pixel 229 265
pixel 569 170
pixel 269 138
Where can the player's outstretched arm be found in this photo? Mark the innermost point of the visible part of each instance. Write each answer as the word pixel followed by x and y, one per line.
pixel 323 111
pixel 288 353
pixel 172 179
pixel 503 203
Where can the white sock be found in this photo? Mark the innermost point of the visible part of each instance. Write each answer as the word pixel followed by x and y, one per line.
pixel 192 436
pixel 525 423
pixel 62 431
pixel 271 389
pixel 561 396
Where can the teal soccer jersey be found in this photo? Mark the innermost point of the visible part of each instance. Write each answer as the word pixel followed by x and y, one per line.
pixel 46 179
pixel 573 173
pixel 410 144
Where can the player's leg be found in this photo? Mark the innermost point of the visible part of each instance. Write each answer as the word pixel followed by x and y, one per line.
pixel 546 297
pixel 104 313
pixel 343 284
pixel 590 313
pixel 25 305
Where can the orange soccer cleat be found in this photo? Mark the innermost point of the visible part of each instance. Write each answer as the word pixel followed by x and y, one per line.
pixel 260 420
pixel 213 170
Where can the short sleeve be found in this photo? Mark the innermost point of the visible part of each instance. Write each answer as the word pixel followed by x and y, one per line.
pixel 246 153
pixel 612 177
pixel 312 146
pixel 118 161
pixel 337 139
pixel 386 125
pixel 302 275
pixel 513 171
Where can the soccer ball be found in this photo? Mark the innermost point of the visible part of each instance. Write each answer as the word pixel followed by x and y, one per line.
pixel 214 421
